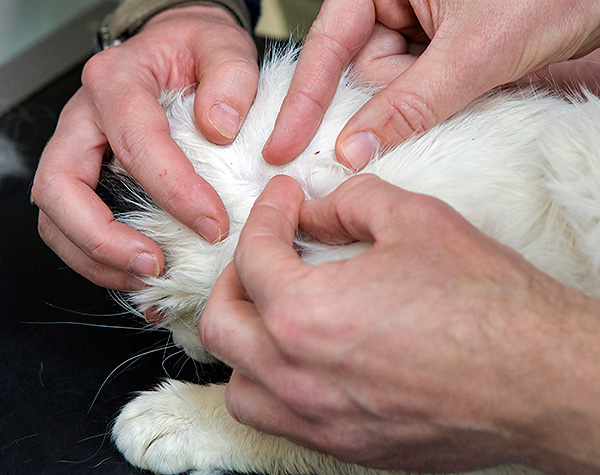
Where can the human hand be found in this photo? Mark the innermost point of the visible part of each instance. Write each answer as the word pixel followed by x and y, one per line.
pixel 474 47
pixel 572 75
pixel 117 106
pixel 437 349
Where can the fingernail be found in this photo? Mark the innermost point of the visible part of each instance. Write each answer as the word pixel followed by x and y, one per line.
pixel 136 284
pixel 209 229
pixel 359 149
pixel 225 119
pixel 144 264
pixel 152 315
pixel 267 143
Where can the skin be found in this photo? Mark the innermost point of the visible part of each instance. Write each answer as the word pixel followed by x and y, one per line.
pixel 204 45
pixel 117 105
pixel 437 349
pixel 330 369
pixel 472 47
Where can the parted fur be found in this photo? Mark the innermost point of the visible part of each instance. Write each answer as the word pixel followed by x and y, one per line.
pixel 523 166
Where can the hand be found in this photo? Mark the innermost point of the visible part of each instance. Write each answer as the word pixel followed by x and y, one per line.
pixel 571 75
pixel 437 349
pixel 473 47
pixel 117 106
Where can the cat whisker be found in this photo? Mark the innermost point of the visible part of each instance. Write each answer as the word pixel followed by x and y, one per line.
pixel 177 353
pixel 102 461
pixel 128 360
pixel 103 435
pixel 120 299
pixel 85 324
pixel 85 314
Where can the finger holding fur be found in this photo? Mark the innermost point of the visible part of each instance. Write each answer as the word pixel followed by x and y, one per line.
pixel 232 330
pixel 336 36
pixel 98 273
pixel 227 72
pixel 265 258
pixel 358 210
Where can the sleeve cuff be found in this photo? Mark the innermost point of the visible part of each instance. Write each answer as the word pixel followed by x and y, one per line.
pixel 132 15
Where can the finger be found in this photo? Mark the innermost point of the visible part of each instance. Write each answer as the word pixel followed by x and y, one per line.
pixel 363 208
pixel 63 189
pixel 385 55
pixel 139 134
pixel 265 258
pixel 227 82
pixel 71 255
pixel 396 15
pixel 337 34
pixel 537 75
pixel 253 405
pixel 232 330
pixel 575 74
pixel 436 86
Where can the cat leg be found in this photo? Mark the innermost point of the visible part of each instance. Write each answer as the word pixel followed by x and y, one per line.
pixel 182 426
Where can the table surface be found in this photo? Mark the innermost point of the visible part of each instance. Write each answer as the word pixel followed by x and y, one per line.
pixel 62 378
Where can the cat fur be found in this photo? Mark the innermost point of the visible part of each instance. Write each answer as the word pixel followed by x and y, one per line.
pixel 521 165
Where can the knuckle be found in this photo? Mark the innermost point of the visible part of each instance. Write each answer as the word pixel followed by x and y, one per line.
pixel 235 75
pixel 364 189
pixel 131 145
pixel 95 273
pixel 241 70
pixel 432 215
pixel 44 228
pixel 206 328
pixel 38 189
pixel 43 185
pixel 287 330
pixel 409 114
pixel 177 196
pixel 302 398
pixel 300 317
pixel 95 70
pixel 334 48
pixel 356 189
pixel 309 98
pixel 97 247
pixel 133 142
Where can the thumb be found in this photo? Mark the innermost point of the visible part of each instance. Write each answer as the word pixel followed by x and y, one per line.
pixel 363 208
pixel 436 86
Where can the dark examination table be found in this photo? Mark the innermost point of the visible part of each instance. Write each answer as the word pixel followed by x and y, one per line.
pixel 59 383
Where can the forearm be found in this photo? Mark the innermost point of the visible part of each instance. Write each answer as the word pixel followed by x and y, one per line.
pixel 562 388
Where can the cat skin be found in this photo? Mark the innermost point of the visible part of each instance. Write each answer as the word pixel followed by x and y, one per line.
pixel 521 165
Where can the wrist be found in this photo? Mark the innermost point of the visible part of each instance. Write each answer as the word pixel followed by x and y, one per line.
pixel 560 425
pixel 132 15
pixel 212 13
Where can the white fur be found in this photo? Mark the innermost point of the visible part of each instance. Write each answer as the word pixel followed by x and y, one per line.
pixel 522 166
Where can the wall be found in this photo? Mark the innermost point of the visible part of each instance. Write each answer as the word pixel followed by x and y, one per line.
pixel 42 39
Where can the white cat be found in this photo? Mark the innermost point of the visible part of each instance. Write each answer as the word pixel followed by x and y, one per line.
pixel 522 166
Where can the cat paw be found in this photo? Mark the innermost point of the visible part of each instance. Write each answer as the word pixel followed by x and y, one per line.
pixel 161 431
